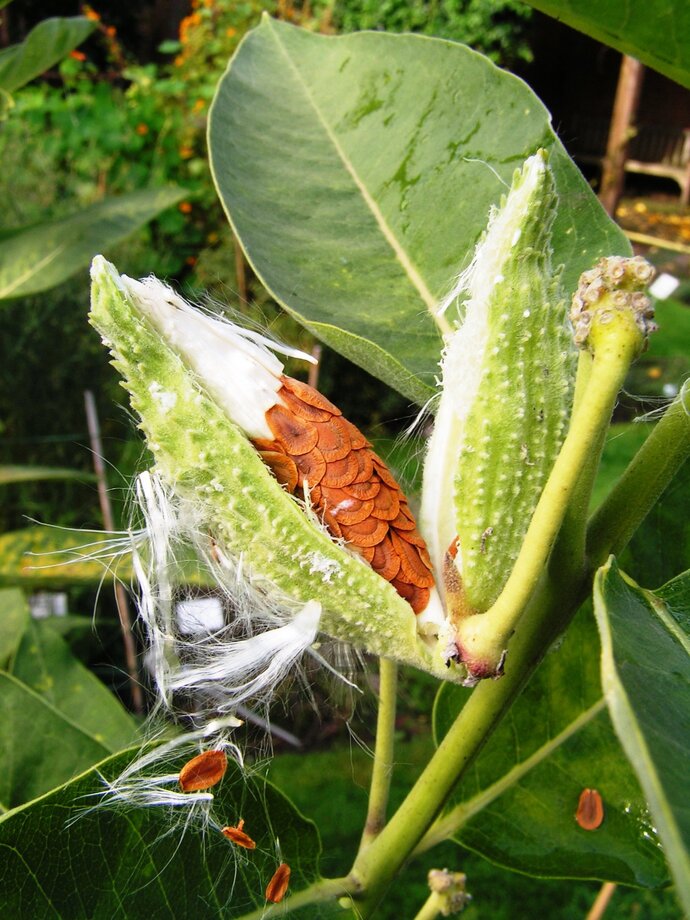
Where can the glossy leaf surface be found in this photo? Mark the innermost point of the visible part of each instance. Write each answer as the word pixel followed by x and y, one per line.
pixel 655 32
pixel 176 874
pixel 645 667
pixel 41 256
pixel 358 173
pixel 520 798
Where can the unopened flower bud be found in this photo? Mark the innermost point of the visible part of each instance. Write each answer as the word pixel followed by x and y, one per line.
pixel 609 294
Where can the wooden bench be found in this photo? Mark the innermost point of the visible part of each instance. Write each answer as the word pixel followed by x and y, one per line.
pixel 654 150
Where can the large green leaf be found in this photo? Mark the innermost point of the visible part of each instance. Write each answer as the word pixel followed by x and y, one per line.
pixel 518 802
pixel 14 620
pixel 43 255
pixel 13 474
pixel 645 665
pixel 45 45
pixel 655 32
pixel 127 865
pixel 358 173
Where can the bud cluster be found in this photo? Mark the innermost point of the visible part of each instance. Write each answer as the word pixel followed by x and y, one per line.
pixel 614 286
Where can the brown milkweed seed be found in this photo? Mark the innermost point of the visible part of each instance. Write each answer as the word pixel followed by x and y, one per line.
pixel 238 836
pixel 276 888
pixel 351 489
pixel 203 771
pixel 590 810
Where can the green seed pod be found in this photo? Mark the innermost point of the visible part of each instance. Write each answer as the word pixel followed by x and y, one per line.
pixel 207 460
pixel 508 373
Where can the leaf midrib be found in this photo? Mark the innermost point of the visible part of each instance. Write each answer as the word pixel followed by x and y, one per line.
pixel 400 253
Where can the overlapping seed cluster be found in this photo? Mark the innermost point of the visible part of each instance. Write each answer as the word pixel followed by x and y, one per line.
pixel 315 449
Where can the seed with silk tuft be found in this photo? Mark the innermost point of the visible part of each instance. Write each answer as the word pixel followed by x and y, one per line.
pixel 203 771
pixel 278 886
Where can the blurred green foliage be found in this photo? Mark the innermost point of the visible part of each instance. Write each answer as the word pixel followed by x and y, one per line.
pixel 497 28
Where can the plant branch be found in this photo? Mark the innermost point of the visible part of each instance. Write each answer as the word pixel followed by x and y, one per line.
pixel 323 890
pixel 432 907
pixel 570 543
pixel 383 753
pixel 451 822
pixel 637 491
pixel 544 619
pixel 601 902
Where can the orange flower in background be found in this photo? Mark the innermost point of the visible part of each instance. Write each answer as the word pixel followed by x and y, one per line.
pixel 77 55
pixel 186 152
pixel 142 129
pixel 185 207
pixel 199 105
pixel 231 32
pixel 91 14
pixel 111 31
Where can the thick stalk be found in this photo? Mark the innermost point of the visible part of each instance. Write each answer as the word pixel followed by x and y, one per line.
pixel 484 637
pixel 431 908
pixel 383 752
pixel 571 537
pixel 546 616
pixel 637 491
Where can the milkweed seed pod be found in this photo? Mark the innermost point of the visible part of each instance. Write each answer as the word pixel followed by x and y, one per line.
pixel 508 371
pixel 232 436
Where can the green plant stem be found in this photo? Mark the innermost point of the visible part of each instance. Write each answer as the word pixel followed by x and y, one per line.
pixel 571 537
pixel 483 637
pixel 545 617
pixel 323 890
pixel 431 908
pixel 637 491
pixel 383 753
pixel 550 610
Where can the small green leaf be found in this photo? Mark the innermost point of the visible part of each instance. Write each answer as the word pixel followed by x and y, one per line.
pixel 14 620
pixel 654 32
pixel 645 666
pixel 46 44
pixel 13 474
pixel 43 255
pixel 44 663
pixel 128 864
pixel 519 800
pixel 358 173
